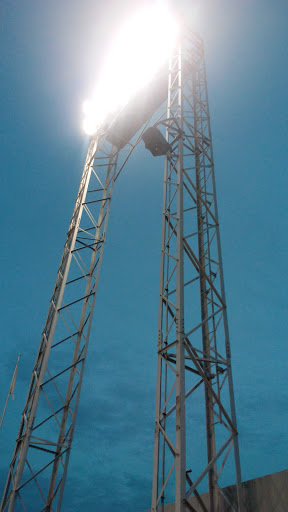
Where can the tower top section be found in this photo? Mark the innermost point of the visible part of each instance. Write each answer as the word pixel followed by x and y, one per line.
pixel 139 50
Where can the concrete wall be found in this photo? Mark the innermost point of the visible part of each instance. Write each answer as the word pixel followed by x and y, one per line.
pixel 266 494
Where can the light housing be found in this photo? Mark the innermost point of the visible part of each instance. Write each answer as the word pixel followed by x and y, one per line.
pixel 139 50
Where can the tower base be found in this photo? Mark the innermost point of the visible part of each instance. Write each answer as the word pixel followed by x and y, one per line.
pixel 265 494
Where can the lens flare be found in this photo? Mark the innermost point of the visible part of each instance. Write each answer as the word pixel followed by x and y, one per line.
pixel 140 48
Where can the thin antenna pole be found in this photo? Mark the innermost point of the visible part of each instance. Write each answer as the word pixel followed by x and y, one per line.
pixel 11 390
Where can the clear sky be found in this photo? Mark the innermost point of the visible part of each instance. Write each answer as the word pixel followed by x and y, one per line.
pixel 50 56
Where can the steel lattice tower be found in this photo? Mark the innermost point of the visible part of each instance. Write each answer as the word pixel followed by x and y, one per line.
pixel 193 337
pixel 194 364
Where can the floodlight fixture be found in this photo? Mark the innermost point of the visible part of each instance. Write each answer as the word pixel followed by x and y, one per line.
pixel 140 48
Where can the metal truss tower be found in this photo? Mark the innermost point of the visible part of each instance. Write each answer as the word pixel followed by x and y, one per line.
pixel 194 382
pixel 39 464
pixel 194 362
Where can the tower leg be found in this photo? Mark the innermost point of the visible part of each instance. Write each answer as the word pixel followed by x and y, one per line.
pixel 193 339
pixel 44 443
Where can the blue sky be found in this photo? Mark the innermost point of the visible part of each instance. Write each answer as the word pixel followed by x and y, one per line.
pixel 51 52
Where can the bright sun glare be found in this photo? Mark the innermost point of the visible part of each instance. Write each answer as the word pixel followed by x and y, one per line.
pixel 139 49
